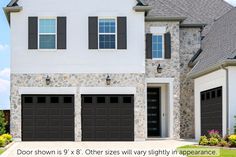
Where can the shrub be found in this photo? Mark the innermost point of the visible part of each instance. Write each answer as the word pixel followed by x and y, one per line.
pixel 213 141
pixel 232 140
pixel 203 141
pixel 8 137
pixel 214 134
pixel 223 143
pixel 2 123
pixel 3 141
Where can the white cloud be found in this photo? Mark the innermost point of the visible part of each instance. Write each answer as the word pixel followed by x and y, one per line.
pixel 3 47
pixel 5 73
pixel 233 2
pixel 4 85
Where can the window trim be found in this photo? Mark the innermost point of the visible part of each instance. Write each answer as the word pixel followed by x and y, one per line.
pixel 163 46
pixel 116 39
pixel 45 18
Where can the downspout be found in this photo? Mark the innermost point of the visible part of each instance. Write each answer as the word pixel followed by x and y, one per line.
pixel 227 97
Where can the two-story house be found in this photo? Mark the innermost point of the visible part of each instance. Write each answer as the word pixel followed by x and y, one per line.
pixel 105 70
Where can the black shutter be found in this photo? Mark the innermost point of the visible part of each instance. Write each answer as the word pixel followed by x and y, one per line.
pixel 93 32
pixel 168 45
pixel 148 46
pixel 33 32
pixel 61 32
pixel 121 33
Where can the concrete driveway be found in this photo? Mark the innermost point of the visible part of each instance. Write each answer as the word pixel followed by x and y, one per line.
pixel 160 148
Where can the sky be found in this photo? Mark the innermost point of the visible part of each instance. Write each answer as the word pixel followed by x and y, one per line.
pixel 5 56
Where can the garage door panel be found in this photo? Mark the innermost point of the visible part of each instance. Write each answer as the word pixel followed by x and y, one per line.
pixel 105 116
pixel 48 118
pixel 211 110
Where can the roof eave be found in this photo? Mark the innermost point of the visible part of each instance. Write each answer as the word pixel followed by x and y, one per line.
pixel 142 8
pixel 9 10
pixel 158 18
pixel 201 25
pixel 213 68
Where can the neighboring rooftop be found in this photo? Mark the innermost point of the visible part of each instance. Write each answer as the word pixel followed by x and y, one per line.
pixel 219 46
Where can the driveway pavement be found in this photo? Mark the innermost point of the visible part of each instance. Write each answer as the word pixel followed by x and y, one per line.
pixel 159 148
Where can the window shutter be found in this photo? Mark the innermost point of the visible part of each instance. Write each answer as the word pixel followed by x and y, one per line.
pixel 121 33
pixel 93 32
pixel 148 46
pixel 33 32
pixel 168 45
pixel 61 32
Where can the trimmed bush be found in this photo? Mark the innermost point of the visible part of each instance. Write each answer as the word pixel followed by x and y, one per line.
pixel 3 141
pixel 8 137
pixel 213 141
pixel 203 141
pixel 232 140
pixel 223 143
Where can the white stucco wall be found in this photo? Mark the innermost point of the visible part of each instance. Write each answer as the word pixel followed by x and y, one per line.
pixel 77 58
pixel 232 98
pixel 206 82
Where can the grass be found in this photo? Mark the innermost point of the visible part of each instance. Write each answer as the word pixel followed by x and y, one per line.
pixel 223 152
pixel 1 151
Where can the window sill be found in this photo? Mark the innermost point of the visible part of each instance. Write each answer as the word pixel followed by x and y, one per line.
pixel 158 59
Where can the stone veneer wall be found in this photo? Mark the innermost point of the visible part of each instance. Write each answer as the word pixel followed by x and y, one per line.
pixel 79 80
pixel 190 42
pixel 171 67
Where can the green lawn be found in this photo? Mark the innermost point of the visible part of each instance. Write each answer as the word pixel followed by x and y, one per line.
pixel 1 151
pixel 223 152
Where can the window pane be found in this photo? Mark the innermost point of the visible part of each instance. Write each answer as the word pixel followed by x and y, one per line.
pixel 107 41
pixel 47 42
pixel 47 26
pixel 157 46
pixel 107 26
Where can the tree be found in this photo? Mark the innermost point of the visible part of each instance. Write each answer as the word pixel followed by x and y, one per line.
pixel 3 123
pixel 235 126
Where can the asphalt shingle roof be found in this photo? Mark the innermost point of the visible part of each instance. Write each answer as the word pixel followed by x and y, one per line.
pixel 219 45
pixel 196 11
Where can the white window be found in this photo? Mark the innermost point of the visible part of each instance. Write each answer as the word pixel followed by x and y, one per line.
pixel 107 33
pixel 158 46
pixel 47 34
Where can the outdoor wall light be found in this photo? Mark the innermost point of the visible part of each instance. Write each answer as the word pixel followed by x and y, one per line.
pixel 159 68
pixel 48 80
pixel 108 80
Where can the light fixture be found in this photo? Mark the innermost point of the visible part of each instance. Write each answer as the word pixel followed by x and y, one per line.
pixel 108 80
pixel 159 68
pixel 48 80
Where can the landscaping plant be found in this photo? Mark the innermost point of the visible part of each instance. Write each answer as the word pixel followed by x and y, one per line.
pixel 5 139
pixel 213 141
pixel 214 134
pixel 203 141
pixel 3 123
pixel 232 140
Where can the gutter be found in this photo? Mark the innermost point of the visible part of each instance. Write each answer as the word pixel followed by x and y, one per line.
pixel 201 25
pixel 227 97
pixel 213 68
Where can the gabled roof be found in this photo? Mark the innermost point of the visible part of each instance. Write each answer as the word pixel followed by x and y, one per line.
pixel 12 3
pixel 11 7
pixel 219 46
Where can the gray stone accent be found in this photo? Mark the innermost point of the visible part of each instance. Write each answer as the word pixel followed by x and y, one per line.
pixel 79 80
pixel 190 43
pixel 171 67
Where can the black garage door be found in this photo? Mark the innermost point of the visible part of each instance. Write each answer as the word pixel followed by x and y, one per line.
pixel 107 117
pixel 47 117
pixel 211 110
